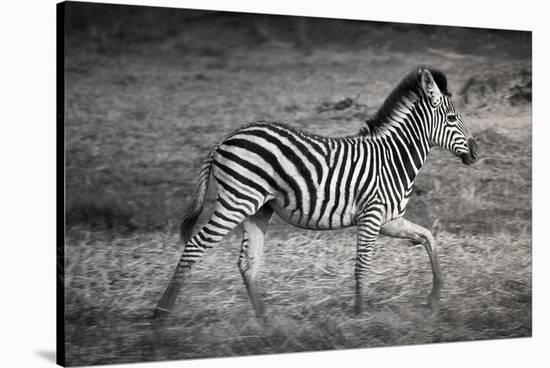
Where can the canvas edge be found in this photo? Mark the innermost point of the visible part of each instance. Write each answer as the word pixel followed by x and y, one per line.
pixel 60 178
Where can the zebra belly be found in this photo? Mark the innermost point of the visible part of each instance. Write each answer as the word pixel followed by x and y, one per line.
pixel 303 220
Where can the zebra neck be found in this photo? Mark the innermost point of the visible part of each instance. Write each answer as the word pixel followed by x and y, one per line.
pixel 405 148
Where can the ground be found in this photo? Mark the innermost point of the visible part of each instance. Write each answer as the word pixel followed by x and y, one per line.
pixel 145 103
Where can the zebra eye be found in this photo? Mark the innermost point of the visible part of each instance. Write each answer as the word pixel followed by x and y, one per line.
pixel 451 118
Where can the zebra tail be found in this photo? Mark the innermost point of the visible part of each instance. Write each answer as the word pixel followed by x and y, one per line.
pixel 194 209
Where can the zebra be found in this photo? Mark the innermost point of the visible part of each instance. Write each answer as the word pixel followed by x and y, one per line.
pixel 317 182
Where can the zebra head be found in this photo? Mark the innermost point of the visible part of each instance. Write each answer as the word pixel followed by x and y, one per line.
pixel 447 130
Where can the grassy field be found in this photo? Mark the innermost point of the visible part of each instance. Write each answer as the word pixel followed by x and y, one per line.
pixel 144 106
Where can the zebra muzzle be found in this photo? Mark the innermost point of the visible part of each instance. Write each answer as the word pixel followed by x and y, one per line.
pixel 472 155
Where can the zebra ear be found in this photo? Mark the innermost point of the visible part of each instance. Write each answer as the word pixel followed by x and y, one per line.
pixel 430 88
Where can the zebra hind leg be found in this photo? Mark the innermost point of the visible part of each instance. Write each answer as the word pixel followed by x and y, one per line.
pixel 402 228
pixel 224 219
pixel 254 228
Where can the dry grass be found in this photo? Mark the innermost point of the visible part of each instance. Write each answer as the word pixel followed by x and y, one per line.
pixel 307 277
pixel 141 115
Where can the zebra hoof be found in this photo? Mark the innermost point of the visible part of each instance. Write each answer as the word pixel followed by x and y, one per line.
pixel 263 321
pixel 434 303
pixel 358 308
pixel 160 314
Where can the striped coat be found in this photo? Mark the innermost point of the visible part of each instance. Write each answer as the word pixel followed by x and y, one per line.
pixel 315 182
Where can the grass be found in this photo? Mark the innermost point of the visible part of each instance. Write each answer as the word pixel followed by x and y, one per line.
pixel 143 111
pixel 114 285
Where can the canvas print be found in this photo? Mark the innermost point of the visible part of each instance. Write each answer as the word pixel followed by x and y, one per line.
pixel 240 184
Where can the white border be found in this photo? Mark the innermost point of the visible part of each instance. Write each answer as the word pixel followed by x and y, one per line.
pixel 28 179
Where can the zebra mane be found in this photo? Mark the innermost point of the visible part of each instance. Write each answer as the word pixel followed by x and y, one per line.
pixel 407 89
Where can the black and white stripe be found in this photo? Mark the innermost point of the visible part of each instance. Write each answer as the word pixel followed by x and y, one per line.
pixel 317 182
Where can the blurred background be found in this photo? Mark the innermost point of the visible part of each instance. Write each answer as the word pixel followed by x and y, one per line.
pixel 150 90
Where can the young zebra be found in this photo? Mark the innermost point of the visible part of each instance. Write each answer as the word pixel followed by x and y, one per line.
pixel 316 182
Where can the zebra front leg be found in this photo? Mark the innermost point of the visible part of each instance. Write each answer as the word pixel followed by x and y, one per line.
pixel 368 227
pixel 254 228
pixel 402 228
